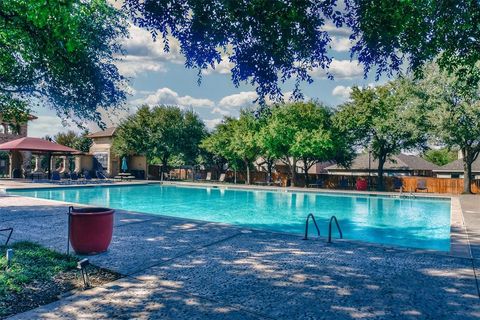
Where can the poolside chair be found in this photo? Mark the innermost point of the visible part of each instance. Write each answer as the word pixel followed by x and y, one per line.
pixel 87 178
pixel 421 185
pixel 343 184
pixel 398 184
pixel 56 178
pixel 207 178
pixel 317 184
pixel 74 176
pixel 166 176
pixel 221 178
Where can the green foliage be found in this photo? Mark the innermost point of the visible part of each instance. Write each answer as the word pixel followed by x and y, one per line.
pixel 440 156
pixel 389 32
pixel 386 119
pixel 61 54
pixel 31 262
pixel 236 141
pixel 291 132
pixel 13 110
pixel 302 131
pixel 73 140
pixel 160 133
pixel 454 114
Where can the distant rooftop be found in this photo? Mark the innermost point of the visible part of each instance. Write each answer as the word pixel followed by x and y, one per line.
pixel 457 166
pixel 398 162
pixel 109 132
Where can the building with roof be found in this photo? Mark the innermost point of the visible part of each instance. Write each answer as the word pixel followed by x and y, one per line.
pixel 398 165
pixel 10 131
pixel 454 169
pixel 105 160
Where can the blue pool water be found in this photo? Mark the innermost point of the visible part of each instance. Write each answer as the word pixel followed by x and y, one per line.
pixel 419 223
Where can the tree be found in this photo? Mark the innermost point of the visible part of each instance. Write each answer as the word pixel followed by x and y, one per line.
pixel 244 143
pixel 267 41
pixel 385 119
pixel 73 140
pixel 160 133
pixel 61 54
pixel 387 33
pixel 302 131
pixel 235 140
pixel 271 41
pixel 440 156
pixel 454 114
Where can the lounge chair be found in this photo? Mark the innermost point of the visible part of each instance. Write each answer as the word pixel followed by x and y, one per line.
pixel 266 182
pixel 207 178
pixel 421 185
pixel 316 184
pixel 398 184
pixel 221 178
pixel 87 178
pixel 56 178
pixel 343 184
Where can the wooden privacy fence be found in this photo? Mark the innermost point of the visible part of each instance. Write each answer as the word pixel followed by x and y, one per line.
pixel 440 185
pixel 434 185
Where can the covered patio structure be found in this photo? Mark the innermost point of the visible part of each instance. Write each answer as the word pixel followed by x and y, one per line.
pixel 37 147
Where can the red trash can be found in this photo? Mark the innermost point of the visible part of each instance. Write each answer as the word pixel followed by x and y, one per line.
pixel 362 184
pixel 90 229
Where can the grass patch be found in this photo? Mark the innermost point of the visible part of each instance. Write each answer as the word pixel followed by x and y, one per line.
pixel 37 276
pixel 31 262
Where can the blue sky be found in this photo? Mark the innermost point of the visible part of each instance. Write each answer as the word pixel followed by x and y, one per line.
pixel 157 77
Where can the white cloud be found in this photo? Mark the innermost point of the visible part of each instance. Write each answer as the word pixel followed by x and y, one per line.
pixel 211 123
pixel 132 66
pixel 47 125
pixel 224 67
pixel 170 97
pixel 238 100
pixel 340 69
pixel 221 111
pixel 145 55
pixel 334 30
pixel 341 44
pixel 342 92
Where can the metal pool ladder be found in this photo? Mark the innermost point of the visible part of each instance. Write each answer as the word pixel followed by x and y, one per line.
pixel 333 218
pixel 310 215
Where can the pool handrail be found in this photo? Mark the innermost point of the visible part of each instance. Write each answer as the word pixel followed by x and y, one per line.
pixel 306 226
pixel 330 229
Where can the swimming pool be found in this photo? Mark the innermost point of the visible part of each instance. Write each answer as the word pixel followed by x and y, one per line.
pixel 411 222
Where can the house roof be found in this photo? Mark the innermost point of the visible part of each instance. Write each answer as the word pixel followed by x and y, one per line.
pixel 457 166
pixel 36 144
pixel 109 132
pixel 398 162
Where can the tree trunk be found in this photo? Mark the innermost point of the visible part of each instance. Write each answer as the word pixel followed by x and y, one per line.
pixel 381 163
pixel 293 172
pixel 164 167
pixel 269 170
pixel 305 172
pixel 146 169
pixel 248 171
pixel 467 174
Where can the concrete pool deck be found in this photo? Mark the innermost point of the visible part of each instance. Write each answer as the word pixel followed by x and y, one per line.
pixel 176 268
